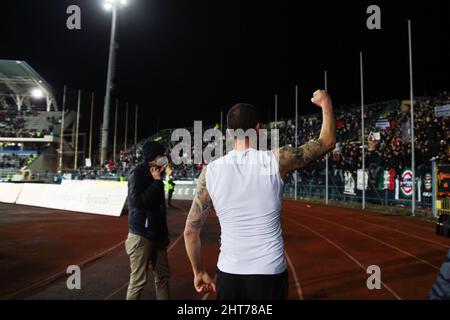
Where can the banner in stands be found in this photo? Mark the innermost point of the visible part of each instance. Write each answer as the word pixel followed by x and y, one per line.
pixel 382 124
pixel 391 182
pixel 9 192
pixel 442 111
pixel 360 179
pixel 427 185
pixel 406 183
pixel 349 187
pixel 375 136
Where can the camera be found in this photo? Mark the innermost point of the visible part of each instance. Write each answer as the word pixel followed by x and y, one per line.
pixel 443 225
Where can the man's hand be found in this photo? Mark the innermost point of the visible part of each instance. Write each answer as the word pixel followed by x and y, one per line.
pixel 203 283
pixel 155 172
pixel 322 99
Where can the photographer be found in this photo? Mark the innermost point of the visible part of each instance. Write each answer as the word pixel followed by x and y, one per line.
pixel 148 234
pixel 441 288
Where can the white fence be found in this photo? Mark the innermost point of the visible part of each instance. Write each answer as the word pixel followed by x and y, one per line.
pixel 89 196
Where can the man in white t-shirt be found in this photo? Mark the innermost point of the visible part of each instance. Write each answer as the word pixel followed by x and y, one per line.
pixel 245 188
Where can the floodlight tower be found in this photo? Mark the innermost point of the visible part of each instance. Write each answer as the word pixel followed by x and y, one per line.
pixel 109 5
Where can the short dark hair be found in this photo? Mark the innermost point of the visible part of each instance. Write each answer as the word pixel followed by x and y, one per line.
pixel 242 116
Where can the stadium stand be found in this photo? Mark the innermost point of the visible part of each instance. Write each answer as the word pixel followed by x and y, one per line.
pixel 29 120
pixel 387 131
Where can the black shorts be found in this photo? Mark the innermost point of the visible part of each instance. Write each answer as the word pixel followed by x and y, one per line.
pixel 252 287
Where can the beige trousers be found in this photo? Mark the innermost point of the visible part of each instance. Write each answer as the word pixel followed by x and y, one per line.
pixel 143 252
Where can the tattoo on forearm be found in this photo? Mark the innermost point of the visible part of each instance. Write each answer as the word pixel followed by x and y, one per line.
pixel 291 158
pixel 201 205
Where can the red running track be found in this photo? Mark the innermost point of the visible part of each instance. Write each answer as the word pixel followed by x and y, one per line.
pixel 328 251
pixel 332 247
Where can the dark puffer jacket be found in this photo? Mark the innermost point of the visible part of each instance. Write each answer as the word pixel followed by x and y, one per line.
pixel 441 288
pixel 146 205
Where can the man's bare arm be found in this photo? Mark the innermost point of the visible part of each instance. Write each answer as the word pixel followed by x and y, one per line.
pixel 197 216
pixel 291 158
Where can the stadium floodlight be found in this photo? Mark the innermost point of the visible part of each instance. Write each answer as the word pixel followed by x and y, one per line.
pixel 113 6
pixel 109 4
pixel 37 93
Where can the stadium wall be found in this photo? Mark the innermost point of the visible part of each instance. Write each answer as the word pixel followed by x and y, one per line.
pixel 88 196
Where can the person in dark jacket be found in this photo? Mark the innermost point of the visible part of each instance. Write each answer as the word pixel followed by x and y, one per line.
pixel 148 235
pixel 441 288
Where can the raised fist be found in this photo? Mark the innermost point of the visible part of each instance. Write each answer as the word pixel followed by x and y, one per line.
pixel 322 99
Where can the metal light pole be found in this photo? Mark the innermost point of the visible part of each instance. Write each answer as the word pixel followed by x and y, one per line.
pixel 327 155
pixel 413 162
pixel 91 126
pixel 296 139
pixel 362 134
pixel 109 5
pixel 77 132
pixel 276 110
pixel 136 125
pixel 125 145
pixel 115 131
pixel 61 131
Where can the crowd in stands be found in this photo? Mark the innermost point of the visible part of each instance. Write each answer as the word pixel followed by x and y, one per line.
pixel 13 124
pixel 15 162
pixel 387 132
pixel 388 146
pixel 12 161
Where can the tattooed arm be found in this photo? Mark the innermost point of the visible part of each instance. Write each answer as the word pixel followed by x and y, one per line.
pixel 197 215
pixel 291 159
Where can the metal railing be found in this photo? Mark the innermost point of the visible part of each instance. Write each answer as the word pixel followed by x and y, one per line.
pixel 316 189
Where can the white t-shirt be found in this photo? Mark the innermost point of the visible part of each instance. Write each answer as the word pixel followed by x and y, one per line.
pixel 246 190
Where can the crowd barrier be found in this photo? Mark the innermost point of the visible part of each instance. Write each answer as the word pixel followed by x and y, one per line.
pixel 89 196
pixel 184 190
pixel 9 192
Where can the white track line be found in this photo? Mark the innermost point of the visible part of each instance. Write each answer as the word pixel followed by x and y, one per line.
pixel 294 273
pixel 378 216
pixel 377 240
pixel 60 274
pixel 356 261
pixel 401 232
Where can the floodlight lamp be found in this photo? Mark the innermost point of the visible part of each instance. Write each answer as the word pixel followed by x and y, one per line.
pixel 37 93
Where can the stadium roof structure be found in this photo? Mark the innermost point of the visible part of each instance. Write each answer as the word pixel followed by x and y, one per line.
pixel 20 83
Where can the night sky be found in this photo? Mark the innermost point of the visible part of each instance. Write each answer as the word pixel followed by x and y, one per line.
pixel 187 60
